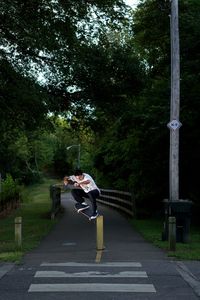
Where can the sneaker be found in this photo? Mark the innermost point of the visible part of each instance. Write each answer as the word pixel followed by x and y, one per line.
pixel 84 206
pixel 94 216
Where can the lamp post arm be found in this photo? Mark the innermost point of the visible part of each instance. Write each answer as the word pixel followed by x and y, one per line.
pixel 79 153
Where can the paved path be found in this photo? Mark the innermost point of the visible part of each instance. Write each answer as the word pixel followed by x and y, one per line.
pixel 67 265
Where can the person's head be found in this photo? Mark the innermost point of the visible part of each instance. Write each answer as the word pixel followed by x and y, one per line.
pixel 78 174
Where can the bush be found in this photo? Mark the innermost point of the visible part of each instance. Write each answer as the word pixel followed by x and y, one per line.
pixel 9 190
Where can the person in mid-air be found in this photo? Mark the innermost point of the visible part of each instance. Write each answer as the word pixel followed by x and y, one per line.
pixel 85 186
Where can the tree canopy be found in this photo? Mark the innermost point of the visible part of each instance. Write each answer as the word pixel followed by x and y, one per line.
pixel 97 72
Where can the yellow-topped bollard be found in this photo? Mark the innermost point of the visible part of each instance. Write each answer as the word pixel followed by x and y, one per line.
pixel 99 233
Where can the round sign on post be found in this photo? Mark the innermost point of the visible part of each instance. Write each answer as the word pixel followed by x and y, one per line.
pixel 174 124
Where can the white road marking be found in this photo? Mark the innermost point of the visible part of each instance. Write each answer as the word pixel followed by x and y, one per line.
pixel 69 244
pixel 59 274
pixel 108 264
pixel 5 268
pixel 190 278
pixel 93 287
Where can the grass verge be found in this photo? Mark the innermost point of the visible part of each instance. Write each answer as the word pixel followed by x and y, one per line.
pixel 151 230
pixel 36 223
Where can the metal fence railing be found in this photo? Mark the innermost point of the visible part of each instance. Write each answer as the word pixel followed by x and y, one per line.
pixel 120 200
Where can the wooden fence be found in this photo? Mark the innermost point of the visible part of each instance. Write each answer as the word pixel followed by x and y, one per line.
pixel 120 200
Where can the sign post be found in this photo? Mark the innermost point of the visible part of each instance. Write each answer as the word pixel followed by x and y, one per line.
pixel 174 123
pixel 177 211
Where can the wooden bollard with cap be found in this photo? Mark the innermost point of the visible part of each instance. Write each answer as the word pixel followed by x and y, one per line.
pixel 172 233
pixel 18 230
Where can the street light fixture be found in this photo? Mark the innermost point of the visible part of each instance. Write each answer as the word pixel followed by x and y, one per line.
pixel 79 153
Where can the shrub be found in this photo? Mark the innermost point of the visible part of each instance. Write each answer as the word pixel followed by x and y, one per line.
pixel 9 190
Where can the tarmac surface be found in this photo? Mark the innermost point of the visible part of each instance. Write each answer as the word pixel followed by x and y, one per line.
pixel 67 265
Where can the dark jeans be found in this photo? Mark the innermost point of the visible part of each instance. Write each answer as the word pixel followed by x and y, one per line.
pixel 79 195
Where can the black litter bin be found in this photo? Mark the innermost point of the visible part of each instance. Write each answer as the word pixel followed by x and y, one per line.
pixel 181 210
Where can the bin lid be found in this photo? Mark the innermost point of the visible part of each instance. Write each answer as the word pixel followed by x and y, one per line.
pixel 182 206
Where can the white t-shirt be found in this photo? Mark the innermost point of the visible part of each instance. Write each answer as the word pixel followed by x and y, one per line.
pixel 86 187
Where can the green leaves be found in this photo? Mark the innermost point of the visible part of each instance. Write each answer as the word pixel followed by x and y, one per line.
pixel 9 190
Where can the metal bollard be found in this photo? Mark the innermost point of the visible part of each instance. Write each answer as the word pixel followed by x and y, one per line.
pixel 18 231
pixel 99 233
pixel 172 233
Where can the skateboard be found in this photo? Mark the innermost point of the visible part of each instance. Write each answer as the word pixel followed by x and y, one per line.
pixel 86 212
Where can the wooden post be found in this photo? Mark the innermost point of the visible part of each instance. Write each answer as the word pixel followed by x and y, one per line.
pixel 18 231
pixel 172 233
pixel 174 123
pixel 99 233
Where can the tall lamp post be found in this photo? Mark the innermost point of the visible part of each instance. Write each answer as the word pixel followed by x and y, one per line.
pixel 79 153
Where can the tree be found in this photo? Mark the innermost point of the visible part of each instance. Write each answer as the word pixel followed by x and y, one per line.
pixel 49 42
pixel 153 43
pixel 46 47
pixel 137 145
pixel 23 103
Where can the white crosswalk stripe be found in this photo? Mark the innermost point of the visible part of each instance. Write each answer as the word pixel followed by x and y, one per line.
pixel 93 287
pixel 108 264
pixel 124 274
pixel 84 271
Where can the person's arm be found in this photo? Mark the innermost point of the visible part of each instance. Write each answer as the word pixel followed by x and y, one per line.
pixel 80 183
pixel 87 181
pixel 67 180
